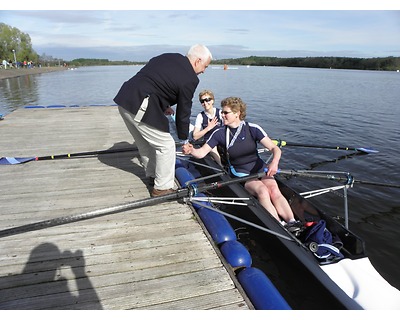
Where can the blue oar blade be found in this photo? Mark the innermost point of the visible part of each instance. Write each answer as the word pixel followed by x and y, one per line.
pixel 10 160
pixel 367 150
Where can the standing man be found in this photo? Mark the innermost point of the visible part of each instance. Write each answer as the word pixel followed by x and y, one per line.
pixel 145 99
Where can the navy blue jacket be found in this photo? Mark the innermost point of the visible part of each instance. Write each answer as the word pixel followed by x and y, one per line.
pixel 167 79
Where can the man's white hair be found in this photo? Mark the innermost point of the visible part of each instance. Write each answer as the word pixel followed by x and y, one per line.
pixel 199 51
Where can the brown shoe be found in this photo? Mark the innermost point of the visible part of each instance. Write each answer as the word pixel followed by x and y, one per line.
pixel 156 192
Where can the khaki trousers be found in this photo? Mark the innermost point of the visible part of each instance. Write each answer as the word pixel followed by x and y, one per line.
pixel 156 148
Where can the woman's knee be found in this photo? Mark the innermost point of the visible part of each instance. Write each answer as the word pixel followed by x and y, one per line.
pixel 263 192
pixel 275 193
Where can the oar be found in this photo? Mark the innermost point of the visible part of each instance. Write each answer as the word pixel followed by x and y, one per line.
pixel 190 190
pixel 336 160
pixel 389 185
pixel 12 160
pixel 349 179
pixel 282 143
pixel 20 160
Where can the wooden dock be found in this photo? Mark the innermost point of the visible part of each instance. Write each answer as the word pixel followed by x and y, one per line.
pixel 154 257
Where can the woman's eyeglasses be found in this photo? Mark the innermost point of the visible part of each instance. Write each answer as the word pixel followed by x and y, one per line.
pixel 205 100
pixel 226 112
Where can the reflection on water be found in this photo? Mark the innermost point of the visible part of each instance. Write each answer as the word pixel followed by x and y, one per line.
pixel 81 86
pixel 17 92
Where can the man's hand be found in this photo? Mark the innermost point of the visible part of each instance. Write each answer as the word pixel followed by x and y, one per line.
pixel 169 111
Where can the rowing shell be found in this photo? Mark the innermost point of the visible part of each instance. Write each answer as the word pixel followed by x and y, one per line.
pixel 304 281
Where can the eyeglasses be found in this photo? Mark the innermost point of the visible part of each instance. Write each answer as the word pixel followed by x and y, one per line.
pixel 226 112
pixel 205 100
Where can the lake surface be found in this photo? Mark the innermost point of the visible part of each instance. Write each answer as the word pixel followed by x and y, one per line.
pixel 307 106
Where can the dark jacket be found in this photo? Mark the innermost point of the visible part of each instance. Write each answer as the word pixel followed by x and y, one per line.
pixel 204 124
pixel 167 79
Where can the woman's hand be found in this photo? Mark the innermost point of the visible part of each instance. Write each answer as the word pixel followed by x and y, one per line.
pixel 272 169
pixel 212 123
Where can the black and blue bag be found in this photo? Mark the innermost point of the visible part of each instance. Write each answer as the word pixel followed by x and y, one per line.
pixel 319 240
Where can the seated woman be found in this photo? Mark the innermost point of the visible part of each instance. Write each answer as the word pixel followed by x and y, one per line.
pixel 239 140
pixel 208 121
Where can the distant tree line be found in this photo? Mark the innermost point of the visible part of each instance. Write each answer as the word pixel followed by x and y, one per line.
pixel 99 62
pixel 387 64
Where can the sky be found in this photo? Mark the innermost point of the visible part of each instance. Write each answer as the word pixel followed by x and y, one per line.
pixel 138 32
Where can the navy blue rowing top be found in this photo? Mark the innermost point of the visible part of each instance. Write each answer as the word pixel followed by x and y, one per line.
pixel 242 146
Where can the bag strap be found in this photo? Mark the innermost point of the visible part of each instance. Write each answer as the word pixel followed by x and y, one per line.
pixel 331 248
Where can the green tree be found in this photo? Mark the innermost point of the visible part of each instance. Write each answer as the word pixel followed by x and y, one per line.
pixel 386 64
pixel 13 39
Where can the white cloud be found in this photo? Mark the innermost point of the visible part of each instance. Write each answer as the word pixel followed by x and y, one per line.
pixel 139 34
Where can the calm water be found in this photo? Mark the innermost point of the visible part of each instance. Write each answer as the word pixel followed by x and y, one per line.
pixel 310 106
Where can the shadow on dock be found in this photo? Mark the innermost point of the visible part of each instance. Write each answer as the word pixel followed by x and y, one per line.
pixel 128 161
pixel 51 279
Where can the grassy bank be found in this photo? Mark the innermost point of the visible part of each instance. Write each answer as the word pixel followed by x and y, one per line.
pixel 11 73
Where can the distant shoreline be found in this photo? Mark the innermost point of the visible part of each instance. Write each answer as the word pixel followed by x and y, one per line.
pixel 12 73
